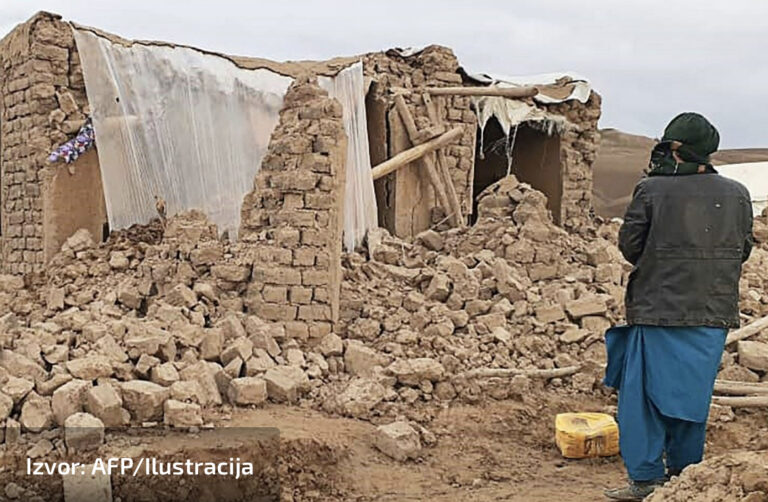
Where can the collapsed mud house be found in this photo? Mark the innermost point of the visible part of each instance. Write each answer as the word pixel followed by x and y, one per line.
pixel 291 173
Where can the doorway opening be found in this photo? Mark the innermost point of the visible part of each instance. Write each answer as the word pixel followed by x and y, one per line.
pixel 534 159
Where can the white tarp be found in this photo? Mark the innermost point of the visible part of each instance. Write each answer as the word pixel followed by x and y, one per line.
pixel 553 88
pixel 754 176
pixel 360 214
pixel 174 122
pixel 193 128
pixel 577 87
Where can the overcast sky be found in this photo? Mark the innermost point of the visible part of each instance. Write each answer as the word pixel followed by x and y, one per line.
pixel 649 59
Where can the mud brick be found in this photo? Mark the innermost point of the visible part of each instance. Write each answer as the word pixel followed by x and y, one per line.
pixel 319 200
pixel 275 294
pixel 321 295
pixel 275 312
pixel 295 217
pixel 293 201
pixel 288 180
pixel 304 257
pixel 314 278
pixel 277 275
pixel 288 237
pixel 296 329
pixel 313 237
pixel 301 295
pixel 315 312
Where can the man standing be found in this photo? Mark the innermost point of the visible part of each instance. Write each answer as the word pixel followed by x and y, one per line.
pixel 686 232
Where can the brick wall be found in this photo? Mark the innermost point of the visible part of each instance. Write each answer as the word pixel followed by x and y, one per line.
pixel 294 216
pixel 42 102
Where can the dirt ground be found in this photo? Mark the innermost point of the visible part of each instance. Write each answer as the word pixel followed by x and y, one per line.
pixel 490 451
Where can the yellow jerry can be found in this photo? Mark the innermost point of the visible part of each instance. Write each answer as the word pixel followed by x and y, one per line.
pixel 585 435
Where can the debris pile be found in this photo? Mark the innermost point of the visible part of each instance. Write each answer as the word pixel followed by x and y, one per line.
pixel 151 327
pixel 737 476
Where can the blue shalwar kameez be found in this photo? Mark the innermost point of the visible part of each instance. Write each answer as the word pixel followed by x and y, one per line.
pixel 665 377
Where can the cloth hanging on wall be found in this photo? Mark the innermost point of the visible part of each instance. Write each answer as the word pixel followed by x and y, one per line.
pixel 75 147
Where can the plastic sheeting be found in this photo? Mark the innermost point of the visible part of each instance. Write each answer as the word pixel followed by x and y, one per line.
pixel 360 213
pixel 553 87
pixel 175 122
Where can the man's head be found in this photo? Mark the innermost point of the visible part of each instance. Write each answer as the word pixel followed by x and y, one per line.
pixel 688 141
pixel 693 137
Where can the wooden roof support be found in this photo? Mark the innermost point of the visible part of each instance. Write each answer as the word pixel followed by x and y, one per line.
pixel 426 162
pixel 406 157
pixel 491 90
pixel 442 165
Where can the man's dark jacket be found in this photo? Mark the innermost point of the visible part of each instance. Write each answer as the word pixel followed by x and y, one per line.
pixel 687 237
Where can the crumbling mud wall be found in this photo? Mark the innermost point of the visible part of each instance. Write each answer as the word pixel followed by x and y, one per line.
pixel 578 148
pixel 407 198
pixel 294 216
pixel 43 103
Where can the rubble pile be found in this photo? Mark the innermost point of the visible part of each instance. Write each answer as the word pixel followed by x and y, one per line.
pixel 513 291
pixel 738 476
pixel 152 327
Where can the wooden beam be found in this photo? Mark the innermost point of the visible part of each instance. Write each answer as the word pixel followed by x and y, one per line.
pixel 509 372
pixel 740 388
pixel 417 152
pixel 442 165
pixel 491 90
pixel 426 163
pixel 750 329
pixel 742 402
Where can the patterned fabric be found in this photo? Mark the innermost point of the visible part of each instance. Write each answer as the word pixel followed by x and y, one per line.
pixel 77 146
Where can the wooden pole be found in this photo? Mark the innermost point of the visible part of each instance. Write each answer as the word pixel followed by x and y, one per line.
pixel 406 157
pixel 742 402
pixel 426 162
pixel 492 90
pixel 508 372
pixel 442 165
pixel 750 329
pixel 740 388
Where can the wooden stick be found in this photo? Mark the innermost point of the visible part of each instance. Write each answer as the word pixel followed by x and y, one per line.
pixel 491 90
pixel 442 165
pixel 407 156
pixel 508 372
pixel 740 388
pixel 750 329
pixel 426 162
pixel 742 402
